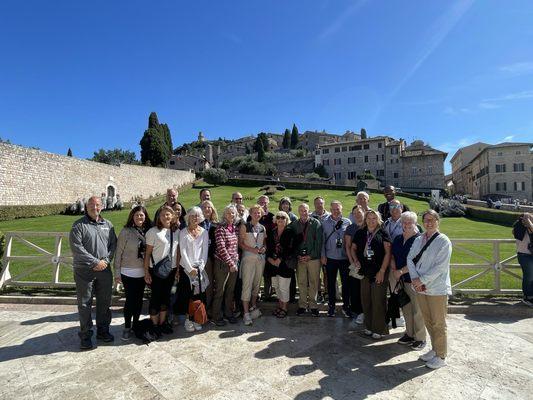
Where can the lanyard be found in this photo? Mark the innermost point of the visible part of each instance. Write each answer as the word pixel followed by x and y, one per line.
pixel 369 237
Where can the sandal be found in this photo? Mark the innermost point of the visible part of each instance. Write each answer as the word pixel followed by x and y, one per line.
pixel 281 313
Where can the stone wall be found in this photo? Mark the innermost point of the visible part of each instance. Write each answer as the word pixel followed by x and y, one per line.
pixel 31 177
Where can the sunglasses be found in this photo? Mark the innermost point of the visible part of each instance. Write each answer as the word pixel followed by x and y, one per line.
pixel 280 217
pixel 395 206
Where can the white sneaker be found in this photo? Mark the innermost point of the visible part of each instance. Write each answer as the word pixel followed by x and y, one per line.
pixel 427 356
pixel 367 332
pixel 188 325
pixel 376 336
pixel 360 319
pixel 255 313
pixel 247 319
pixel 400 322
pixel 197 327
pixel 436 363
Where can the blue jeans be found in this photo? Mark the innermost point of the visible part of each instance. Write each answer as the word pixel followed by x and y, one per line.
pixel 526 262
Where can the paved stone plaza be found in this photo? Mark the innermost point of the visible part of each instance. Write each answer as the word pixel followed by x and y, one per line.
pixel 491 357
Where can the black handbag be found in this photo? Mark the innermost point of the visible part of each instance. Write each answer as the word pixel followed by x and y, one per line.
pixel 163 267
pixel 403 297
pixel 393 308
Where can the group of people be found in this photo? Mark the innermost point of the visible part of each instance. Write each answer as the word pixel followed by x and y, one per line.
pixel 196 255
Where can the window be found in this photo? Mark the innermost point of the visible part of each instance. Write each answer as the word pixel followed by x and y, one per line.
pixel 391 161
pixel 500 167
pixel 380 145
pixel 358 147
pixel 380 172
pixel 383 157
pixel 351 160
pixel 517 152
pixel 352 148
pixel 413 171
pixel 366 158
pixel 317 152
pixel 397 161
pixel 337 149
pixel 518 167
pixel 430 169
pixel 501 186
pixel 337 175
pixel 394 150
pixel 344 148
pixel 337 161
pixel 366 146
pixel 499 153
pixel 519 186
pixel 395 175
pixel 325 151
pixel 172 162
pixel 326 162
pixel 377 157
pixel 352 175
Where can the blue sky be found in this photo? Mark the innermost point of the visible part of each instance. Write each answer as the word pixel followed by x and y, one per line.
pixel 86 75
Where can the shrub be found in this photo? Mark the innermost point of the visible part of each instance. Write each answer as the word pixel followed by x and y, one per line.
pixel 256 168
pixel 215 176
pixel 491 215
pixel 2 244
pixel 312 176
pixel 8 213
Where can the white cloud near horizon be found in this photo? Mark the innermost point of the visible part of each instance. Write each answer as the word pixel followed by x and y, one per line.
pixel 339 22
pixel 518 68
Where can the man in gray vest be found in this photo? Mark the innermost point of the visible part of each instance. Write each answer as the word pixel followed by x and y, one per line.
pixel 93 243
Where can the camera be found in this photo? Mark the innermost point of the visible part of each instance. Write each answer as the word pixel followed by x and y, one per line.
pixel 303 252
pixel 141 248
pixel 338 243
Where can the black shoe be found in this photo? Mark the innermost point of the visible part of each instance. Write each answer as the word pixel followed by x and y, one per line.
pixel 331 311
pixel 156 331
pixel 166 328
pixel 320 298
pixel 314 312
pixel 300 311
pixel 86 344
pixel 105 337
pixel 232 320
pixel 418 345
pixel 406 339
pixel 219 322
pixel 347 312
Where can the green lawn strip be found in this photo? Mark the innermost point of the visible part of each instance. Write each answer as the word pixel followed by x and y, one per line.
pixel 455 228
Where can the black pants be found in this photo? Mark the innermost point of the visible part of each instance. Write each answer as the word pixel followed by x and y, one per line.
pixel 185 294
pixel 160 299
pixel 134 289
pixel 354 295
pixel 332 267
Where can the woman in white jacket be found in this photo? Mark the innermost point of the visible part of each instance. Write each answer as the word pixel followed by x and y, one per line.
pixel 194 243
pixel 430 277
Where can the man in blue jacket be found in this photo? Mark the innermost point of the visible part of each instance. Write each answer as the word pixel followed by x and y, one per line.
pixel 93 243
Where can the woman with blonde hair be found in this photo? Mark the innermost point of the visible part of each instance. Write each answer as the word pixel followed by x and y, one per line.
pixel 371 252
pixel 252 241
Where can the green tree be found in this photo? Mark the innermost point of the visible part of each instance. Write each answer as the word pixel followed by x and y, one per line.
pixel 263 138
pixel 287 139
pixel 260 152
pixel 156 143
pixel 321 171
pixel 115 157
pixel 215 176
pixel 69 152
pixel 363 133
pixel 294 136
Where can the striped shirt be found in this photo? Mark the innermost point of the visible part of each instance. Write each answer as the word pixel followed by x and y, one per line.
pixel 226 244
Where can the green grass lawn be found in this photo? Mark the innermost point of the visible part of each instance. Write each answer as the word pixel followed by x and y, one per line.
pixel 455 228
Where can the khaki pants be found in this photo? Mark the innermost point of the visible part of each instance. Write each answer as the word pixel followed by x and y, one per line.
pixel 374 302
pixel 224 289
pixel 434 309
pixel 252 268
pixel 414 321
pixel 308 279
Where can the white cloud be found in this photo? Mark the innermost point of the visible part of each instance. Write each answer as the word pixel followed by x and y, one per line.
pixel 488 106
pixel 517 69
pixel 525 94
pixel 508 138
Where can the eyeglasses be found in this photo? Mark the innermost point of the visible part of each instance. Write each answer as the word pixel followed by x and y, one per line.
pixel 280 217
pixel 238 198
pixel 395 206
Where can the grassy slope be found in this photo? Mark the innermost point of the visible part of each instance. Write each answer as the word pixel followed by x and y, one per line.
pixel 453 227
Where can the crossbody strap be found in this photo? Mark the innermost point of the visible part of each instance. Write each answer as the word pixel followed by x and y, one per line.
pixel 170 251
pixel 419 255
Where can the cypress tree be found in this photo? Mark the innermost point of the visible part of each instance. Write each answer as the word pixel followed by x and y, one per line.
pixel 363 133
pixel 286 139
pixel 156 143
pixel 294 136
pixel 69 152
pixel 260 151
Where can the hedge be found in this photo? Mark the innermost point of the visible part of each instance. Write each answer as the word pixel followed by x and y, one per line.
pixel 507 218
pixel 8 213
pixel 2 245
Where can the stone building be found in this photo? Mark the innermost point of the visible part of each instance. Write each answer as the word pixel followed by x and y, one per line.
pixel 462 169
pixel 309 140
pixel 189 162
pixel 414 168
pixel 503 171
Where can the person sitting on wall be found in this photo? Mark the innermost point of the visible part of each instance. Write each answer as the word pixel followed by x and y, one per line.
pixel 384 208
pixel 119 205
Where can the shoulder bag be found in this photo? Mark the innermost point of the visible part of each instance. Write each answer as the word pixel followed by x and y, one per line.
pixel 163 267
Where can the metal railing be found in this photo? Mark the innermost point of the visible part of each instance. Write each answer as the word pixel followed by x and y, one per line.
pixel 40 261
pixel 44 259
